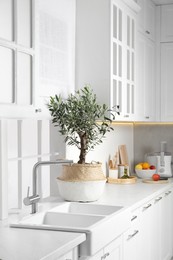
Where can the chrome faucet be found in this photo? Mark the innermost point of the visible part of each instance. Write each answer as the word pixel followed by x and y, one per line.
pixel 33 200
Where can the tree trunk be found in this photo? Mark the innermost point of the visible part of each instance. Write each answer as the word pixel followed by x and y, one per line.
pixel 83 147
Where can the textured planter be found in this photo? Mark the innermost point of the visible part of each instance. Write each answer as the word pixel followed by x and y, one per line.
pixel 81 182
pixel 81 191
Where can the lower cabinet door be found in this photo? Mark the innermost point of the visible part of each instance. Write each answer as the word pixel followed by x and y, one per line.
pixel 113 250
pixel 131 244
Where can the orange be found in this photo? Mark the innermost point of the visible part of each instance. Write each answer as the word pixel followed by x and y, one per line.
pixel 145 165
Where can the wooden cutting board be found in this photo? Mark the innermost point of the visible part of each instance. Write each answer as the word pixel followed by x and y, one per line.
pixel 155 182
pixel 123 154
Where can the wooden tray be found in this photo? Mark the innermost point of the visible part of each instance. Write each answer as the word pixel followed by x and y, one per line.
pixel 155 182
pixel 131 180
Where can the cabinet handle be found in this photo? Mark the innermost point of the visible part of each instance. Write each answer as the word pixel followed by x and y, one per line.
pixel 168 192
pixel 147 32
pixel 133 218
pixel 156 200
pixel 105 255
pixel 126 115
pixel 38 110
pixel 147 117
pixel 146 207
pixel 132 235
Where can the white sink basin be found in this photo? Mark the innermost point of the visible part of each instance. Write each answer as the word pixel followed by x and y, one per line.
pixel 61 220
pixel 100 223
pixel 86 208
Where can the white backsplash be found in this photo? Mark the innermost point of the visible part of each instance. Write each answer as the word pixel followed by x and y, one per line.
pixel 26 141
pixel 147 138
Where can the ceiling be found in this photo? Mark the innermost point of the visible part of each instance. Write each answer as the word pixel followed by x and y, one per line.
pixel 162 2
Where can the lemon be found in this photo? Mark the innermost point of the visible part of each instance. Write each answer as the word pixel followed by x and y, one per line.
pixel 138 167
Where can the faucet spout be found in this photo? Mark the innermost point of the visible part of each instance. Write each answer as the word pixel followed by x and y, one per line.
pixel 33 200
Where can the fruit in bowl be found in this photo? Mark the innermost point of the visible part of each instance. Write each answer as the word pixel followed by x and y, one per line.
pixel 144 170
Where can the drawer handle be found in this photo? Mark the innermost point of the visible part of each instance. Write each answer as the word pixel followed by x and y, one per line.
pixel 133 218
pixel 147 117
pixel 156 200
pixel 105 255
pixel 168 192
pixel 147 32
pixel 126 115
pixel 146 207
pixel 132 235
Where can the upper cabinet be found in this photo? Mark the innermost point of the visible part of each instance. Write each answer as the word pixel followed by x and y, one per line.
pixel 146 18
pixel 37 55
pixel 166 23
pixel 146 63
pixel 55 50
pixel 106 52
pixel 145 90
pixel 17 57
pixel 166 62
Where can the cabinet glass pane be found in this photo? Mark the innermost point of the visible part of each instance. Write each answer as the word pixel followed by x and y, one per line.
pixel 115 22
pixel 24 76
pixel 128 31
pixel 133 34
pixel 120 26
pixel 6 19
pixel 132 99
pixel 120 95
pixel 120 61
pixel 115 59
pixel 128 98
pixel 117 94
pixel 6 75
pixel 24 22
pixel 132 66
pixel 128 64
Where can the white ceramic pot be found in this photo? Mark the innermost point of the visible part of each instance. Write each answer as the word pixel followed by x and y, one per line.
pixel 84 191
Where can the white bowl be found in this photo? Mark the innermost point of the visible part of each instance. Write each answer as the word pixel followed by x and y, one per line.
pixel 84 191
pixel 145 174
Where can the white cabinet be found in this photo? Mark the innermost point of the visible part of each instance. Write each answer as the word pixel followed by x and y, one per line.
pixel 145 87
pixel 105 52
pixel 145 64
pixel 131 239
pixel 17 57
pixel 72 255
pixel 166 81
pixel 166 23
pixel 146 18
pixel 37 55
pixel 110 252
pixel 55 44
pixel 150 236
pixel 166 226
pixel 165 49
pixel 146 231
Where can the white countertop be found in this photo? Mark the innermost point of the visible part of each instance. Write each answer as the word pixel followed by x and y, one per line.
pixel 20 244
pixel 28 244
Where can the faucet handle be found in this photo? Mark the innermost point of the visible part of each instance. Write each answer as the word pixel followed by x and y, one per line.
pixel 29 200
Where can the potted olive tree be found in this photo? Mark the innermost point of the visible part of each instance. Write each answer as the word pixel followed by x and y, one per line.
pixel 84 123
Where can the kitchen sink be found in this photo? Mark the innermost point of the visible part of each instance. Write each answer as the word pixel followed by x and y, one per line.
pixel 86 208
pixel 100 223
